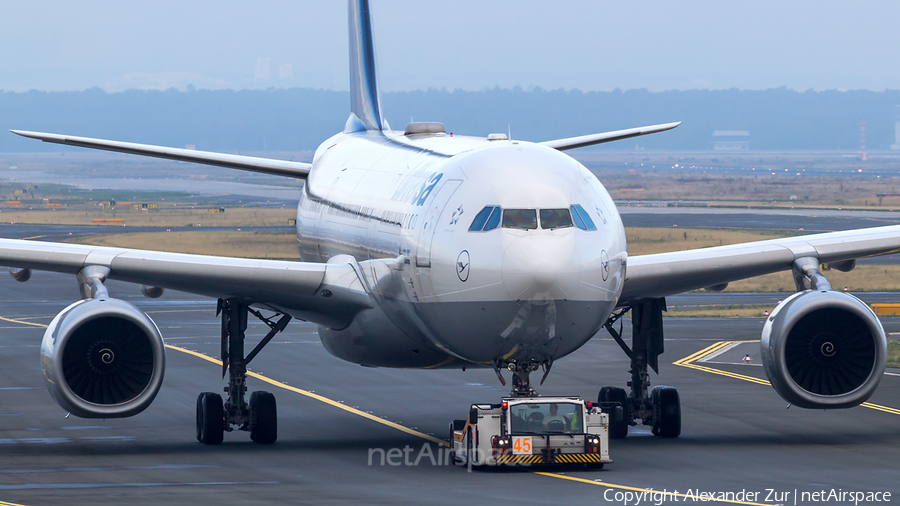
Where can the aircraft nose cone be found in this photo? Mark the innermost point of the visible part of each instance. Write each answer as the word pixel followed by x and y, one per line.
pixel 540 268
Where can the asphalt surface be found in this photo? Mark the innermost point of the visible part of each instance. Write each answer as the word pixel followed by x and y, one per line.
pixel 737 435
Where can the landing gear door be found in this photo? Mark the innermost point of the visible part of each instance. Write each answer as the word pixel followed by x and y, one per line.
pixel 432 220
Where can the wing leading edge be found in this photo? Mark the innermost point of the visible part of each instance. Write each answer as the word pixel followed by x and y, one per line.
pixel 329 294
pixel 617 135
pixel 664 274
pixel 284 168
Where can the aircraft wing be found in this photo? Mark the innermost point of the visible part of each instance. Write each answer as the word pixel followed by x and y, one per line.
pixel 664 274
pixel 249 163
pixel 329 294
pixel 617 135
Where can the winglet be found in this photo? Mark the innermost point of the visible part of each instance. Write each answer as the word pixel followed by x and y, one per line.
pixel 365 102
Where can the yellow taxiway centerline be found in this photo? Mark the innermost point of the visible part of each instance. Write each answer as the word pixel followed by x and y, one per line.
pixel 363 414
pixel 690 359
pixel 318 397
pixel 648 491
pixel 11 320
pixel 279 384
pixel 684 362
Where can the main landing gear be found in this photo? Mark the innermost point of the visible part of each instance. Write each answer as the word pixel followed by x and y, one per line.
pixel 259 417
pixel 660 408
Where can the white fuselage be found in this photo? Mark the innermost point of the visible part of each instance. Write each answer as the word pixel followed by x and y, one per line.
pixel 402 206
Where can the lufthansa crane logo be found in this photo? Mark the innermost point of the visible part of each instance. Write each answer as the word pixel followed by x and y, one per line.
pixel 462 266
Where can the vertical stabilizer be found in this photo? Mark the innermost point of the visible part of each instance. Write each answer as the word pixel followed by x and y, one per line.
pixel 365 102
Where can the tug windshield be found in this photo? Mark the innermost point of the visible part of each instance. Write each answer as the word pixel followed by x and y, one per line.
pixel 546 418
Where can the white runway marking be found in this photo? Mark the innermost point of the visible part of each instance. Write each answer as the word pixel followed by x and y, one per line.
pixel 720 351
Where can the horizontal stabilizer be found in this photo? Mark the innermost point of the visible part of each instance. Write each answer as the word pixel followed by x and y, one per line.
pixel 588 140
pixel 250 163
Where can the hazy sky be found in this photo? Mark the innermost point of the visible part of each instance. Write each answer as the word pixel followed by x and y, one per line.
pixel 468 44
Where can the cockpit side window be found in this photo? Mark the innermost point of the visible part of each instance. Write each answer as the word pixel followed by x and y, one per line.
pixel 555 218
pixel 581 218
pixel 579 222
pixel 494 220
pixel 520 218
pixel 480 219
pixel 487 219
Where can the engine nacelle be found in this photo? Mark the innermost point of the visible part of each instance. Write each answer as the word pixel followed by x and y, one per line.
pixel 824 350
pixel 103 358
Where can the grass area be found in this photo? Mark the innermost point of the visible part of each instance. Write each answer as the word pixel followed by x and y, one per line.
pixel 864 278
pixel 726 311
pixel 648 240
pixel 163 217
pixel 244 244
pixel 893 356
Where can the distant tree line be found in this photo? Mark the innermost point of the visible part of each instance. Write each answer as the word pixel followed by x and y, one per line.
pixel 300 119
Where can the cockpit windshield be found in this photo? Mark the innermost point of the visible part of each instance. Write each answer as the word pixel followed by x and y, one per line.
pixel 555 218
pixel 546 418
pixel 520 218
pixel 489 218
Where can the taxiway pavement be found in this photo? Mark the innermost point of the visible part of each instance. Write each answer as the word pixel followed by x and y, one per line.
pixel 737 434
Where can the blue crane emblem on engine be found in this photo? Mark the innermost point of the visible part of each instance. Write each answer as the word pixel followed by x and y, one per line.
pixel 462 266
pixel 604 264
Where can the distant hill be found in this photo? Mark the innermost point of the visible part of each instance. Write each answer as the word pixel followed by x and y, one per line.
pixel 299 119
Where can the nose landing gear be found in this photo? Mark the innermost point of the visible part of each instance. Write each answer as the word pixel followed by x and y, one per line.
pixel 660 408
pixel 259 417
pixel 521 386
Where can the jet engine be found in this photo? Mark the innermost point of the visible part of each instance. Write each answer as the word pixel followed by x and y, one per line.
pixel 103 358
pixel 824 349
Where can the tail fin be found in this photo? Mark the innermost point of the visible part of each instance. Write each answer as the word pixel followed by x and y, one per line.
pixel 365 102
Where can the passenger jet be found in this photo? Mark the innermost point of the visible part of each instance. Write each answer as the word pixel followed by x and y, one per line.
pixel 423 249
